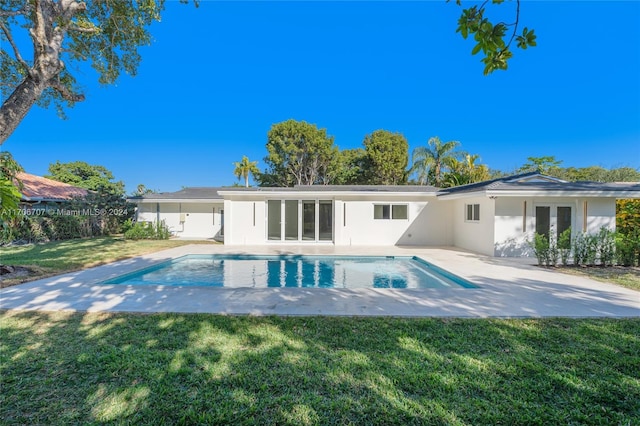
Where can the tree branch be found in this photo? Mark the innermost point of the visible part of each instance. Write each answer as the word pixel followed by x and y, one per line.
pixel 16 52
pixel 82 30
pixel 21 11
pixel 66 93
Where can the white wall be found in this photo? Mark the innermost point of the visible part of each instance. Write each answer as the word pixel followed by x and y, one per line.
pixel 513 231
pixel 199 218
pixel 600 212
pixel 426 225
pixel 512 240
pixel 242 226
pixel 474 236
pixel 427 222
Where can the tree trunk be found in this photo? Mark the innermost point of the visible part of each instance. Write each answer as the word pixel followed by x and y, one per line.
pixel 16 107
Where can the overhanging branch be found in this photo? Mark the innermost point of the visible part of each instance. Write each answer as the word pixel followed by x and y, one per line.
pixel 16 52
pixel 66 93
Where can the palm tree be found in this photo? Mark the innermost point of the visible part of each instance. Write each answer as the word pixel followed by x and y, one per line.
pixel 433 159
pixel 244 168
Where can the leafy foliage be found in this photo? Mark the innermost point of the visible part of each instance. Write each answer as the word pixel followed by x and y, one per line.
pixel 298 154
pixel 431 162
pixel 148 231
pixel 386 158
pixel 493 39
pixel 244 168
pixel 84 175
pixel 465 171
pixel 349 167
pixel 106 34
pixel 9 186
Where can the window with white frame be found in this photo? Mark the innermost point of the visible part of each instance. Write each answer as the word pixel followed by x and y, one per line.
pixel 390 211
pixel 472 212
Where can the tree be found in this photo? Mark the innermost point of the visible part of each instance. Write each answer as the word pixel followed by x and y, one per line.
pixel 387 157
pixel 465 171
pixel 244 168
pixel 9 186
pixel 107 34
pixel 542 165
pixel 141 190
pixel 433 159
pixel 299 154
pixel 493 40
pixel 84 175
pixel 348 167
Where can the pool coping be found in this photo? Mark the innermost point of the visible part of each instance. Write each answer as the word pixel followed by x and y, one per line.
pixel 508 288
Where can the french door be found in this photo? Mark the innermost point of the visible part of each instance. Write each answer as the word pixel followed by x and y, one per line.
pixel 553 217
pixel 300 220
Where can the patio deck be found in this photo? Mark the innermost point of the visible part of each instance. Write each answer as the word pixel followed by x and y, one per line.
pixel 507 288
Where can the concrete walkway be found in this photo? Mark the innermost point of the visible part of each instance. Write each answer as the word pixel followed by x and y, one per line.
pixel 507 288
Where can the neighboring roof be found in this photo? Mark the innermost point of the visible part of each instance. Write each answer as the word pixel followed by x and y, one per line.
pixel 38 188
pixel 538 184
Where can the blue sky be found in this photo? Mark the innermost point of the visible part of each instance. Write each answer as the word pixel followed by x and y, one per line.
pixel 217 77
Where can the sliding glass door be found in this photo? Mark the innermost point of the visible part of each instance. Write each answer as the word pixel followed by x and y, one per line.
pixel 274 220
pixel 300 220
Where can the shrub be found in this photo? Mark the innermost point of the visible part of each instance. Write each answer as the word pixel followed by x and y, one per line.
pixel 605 243
pixel 148 231
pixel 540 247
pixel 628 248
pixel 564 246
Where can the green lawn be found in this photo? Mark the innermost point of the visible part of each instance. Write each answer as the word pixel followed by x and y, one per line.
pixel 623 276
pixel 65 256
pixel 63 368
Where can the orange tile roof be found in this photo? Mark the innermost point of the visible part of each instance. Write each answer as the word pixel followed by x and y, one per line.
pixel 36 188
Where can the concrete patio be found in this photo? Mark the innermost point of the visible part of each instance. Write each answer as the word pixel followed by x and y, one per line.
pixel 507 288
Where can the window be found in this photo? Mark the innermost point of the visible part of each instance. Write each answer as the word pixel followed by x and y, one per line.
pixel 390 211
pixel 472 212
pixel 399 211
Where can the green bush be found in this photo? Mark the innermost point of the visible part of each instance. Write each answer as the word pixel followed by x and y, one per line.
pixel 564 246
pixel 540 247
pixel 148 231
pixel 606 245
pixel 628 248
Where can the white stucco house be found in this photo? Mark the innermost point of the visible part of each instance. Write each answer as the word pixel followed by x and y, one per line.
pixel 494 217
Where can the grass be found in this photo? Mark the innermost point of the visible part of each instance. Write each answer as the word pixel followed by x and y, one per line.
pixel 628 277
pixel 88 368
pixel 71 255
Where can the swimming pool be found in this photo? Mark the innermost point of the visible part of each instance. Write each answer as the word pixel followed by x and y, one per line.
pixel 234 271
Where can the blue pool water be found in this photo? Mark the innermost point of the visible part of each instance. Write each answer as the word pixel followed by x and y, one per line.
pixel 294 271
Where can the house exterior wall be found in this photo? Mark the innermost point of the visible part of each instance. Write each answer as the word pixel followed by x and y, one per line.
pixel 478 235
pixel 245 222
pixel 191 220
pixel 505 226
pixel 515 224
pixel 600 212
pixel 353 220
pixel 426 223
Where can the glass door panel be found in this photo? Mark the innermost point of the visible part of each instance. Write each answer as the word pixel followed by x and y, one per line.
pixel 291 220
pixel 325 216
pixel 309 220
pixel 564 219
pixel 543 220
pixel 274 212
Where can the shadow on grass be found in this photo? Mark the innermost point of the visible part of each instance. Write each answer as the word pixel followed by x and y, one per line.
pixel 195 369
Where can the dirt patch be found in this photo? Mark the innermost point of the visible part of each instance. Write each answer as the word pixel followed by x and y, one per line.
pixel 12 275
